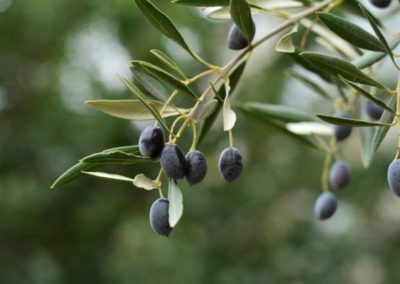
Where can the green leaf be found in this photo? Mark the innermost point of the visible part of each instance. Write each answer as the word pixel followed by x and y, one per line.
pixel 234 78
pixel 351 32
pixel 279 125
pixel 310 67
pixel 132 149
pixel 378 33
pixel 285 43
pixel 168 61
pixel 139 95
pixel 279 117
pixel 380 132
pixel 275 112
pixel 329 39
pixel 75 171
pixel 241 16
pixel 202 3
pixel 162 75
pixel 340 67
pixel 370 58
pixel 115 157
pixel 175 209
pixel 132 109
pixel 206 110
pixel 350 122
pixel 154 89
pixel 370 97
pixel 310 83
pixel 162 22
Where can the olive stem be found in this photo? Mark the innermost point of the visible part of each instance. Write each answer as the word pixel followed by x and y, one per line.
pixel 173 127
pixel 193 147
pixel 325 172
pixel 230 138
pixel 198 76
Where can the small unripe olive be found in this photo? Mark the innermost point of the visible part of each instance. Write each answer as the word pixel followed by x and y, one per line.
pixel 196 167
pixel 374 111
pixel 151 142
pixel 381 3
pixel 393 177
pixel 159 217
pixel 339 175
pixel 173 161
pixel 236 40
pixel 230 164
pixel 325 206
pixel 341 132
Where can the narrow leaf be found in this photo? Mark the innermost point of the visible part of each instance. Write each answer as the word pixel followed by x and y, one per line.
pixel 162 75
pixel 208 109
pixel 340 67
pixel 310 67
pixel 370 97
pixel 175 198
pixel 282 127
pixel 168 61
pixel 115 157
pixel 378 33
pixel 351 32
pixel 285 43
pixel 241 16
pixel 109 176
pixel 370 58
pixel 139 95
pixel 131 149
pixel 339 44
pixel 75 171
pixel 162 22
pixel 275 112
pixel 132 109
pixel 154 89
pixel 380 132
pixel 350 122
pixel 141 181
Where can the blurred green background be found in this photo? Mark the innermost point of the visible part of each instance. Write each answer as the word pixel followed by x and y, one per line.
pixel 54 55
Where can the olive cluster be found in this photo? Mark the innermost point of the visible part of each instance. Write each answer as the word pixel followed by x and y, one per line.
pixel 339 174
pixel 192 166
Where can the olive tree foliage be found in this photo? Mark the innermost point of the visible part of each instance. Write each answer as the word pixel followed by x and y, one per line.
pixel 348 61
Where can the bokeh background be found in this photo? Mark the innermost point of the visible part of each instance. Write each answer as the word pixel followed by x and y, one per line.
pixel 54 55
